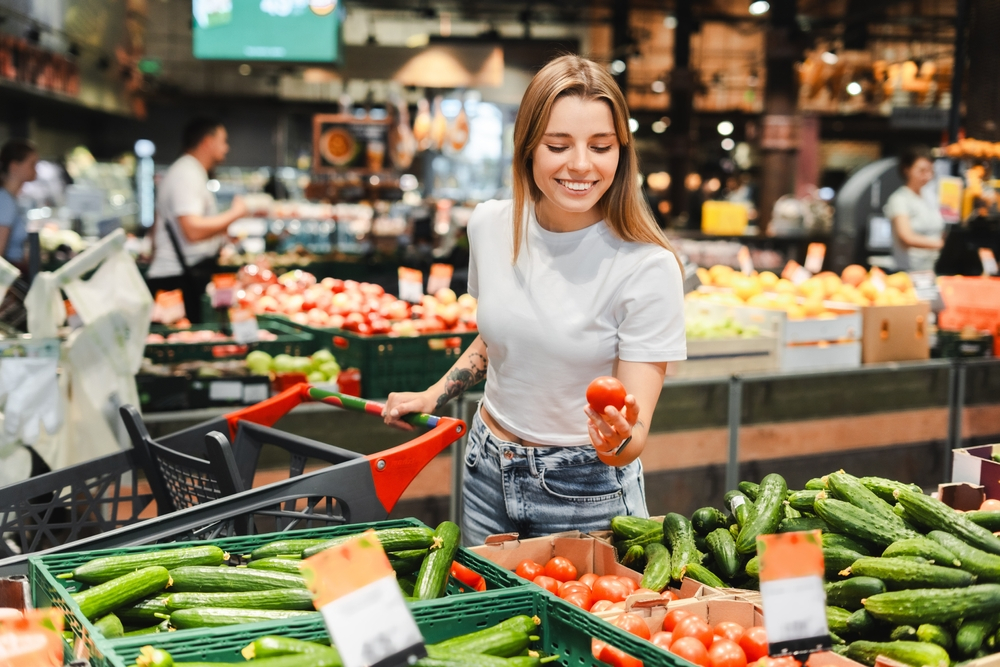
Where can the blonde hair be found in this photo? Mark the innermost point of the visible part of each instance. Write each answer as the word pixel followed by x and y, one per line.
pixel 625 210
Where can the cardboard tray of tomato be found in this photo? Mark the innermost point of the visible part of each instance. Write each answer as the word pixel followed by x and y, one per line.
pixel 287 340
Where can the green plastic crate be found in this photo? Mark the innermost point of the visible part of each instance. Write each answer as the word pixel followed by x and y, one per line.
pixel 564 631
pixel 48 591
pixel 391 363
pixel 291 340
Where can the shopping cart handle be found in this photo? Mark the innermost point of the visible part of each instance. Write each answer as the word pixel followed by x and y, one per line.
pixel 364 405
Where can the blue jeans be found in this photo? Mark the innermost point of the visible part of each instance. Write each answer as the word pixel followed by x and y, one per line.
pixel 536 491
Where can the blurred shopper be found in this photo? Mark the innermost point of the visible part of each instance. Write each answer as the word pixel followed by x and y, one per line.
pixel 18 159
pixel 917 226
pixel 189 230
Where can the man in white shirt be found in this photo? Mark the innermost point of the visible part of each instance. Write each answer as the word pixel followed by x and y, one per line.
pixel 187 217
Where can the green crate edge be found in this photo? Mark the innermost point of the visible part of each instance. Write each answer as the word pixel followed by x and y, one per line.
pixel 43 570
pixel 291 339
pixel 439 620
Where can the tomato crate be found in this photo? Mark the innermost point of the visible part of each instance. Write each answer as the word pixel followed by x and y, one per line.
pixel 47 590
pixel 564 630
pixel 290 340
pixel 391 363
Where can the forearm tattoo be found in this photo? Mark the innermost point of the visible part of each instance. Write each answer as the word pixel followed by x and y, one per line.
pixel 460 380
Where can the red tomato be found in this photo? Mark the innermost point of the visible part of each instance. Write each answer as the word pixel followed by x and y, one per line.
pixel 596 646
pixel 630 584
pixel 634 624
pixel 529 569
pixel 726 653
pixel 548 583
pixel 673 617
pixel 588 579
pixel 668 595
pixel 468 577
pixel 605 391
pixel 784 661
pixel 610 588
pixel 601 605
pixel 662 639
pixel 730 630
pixel 618 658
pixel 754 643
pixel 560 569
pixel 692 626
pixel 691 650
pixel 990 505
pixel 643 591
pixel 579 598
pixel 618 605
pixel 568 586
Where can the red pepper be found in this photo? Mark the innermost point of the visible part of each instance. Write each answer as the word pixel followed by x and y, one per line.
pixel 470 578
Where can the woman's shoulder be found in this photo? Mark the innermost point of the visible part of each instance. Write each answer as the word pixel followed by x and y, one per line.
pixel 488 214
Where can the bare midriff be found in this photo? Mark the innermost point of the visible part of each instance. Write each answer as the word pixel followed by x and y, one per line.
pixel 500 432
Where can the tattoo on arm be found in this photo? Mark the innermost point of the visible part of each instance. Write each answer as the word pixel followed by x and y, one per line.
pixel 460 380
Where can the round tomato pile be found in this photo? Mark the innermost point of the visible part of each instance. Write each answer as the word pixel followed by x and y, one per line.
pixel 589 592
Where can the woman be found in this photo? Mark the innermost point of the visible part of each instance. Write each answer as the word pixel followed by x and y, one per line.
pixel 574 281
pixel 18 159
pixel 917 226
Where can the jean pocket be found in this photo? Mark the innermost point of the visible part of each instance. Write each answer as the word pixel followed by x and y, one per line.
pixel 591 483
pixel 472 450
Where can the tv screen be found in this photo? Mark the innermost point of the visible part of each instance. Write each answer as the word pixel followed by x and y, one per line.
pixel 294 30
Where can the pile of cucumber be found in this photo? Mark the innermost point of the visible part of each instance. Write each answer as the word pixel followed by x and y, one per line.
pixel 908 577
pixel 507 644
pixel 196 587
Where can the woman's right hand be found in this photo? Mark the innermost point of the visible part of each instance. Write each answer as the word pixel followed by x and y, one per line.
pixel 407 402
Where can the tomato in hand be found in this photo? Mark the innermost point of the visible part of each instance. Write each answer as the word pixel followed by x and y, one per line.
pixel 726 653
pixel 692 626
pixel 529 569
pixel 605 391
pixel 730 630
pixel 630 584
pixel 673 617
pixel 548 583
pixel 662 639
pixel 560 569
pixel 610 588
pixel 754 643
pixel 589 579
pixel 691 650
pixel 633 624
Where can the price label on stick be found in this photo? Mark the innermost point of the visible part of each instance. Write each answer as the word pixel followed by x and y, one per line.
pixel 791 586
pixel 815 255
pixel 795 272
pixel 411 285
pixel 439 277
pixel 244 323
pixel 355 590
pixel 746 263
pixel 223 290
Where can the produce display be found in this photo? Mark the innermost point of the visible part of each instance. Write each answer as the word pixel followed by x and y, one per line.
pixel 202 336
pixel 702 328
pixel 322 366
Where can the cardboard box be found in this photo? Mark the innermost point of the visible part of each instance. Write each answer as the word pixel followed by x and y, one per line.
pixel 963 496
pixel 895 333
pixel 585 552
pixel 974 466
pixel 711 357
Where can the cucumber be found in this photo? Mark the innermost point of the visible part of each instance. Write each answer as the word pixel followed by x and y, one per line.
pixel 102 598
pixel 886 488
pixel 929 549
pixel 150 656
pixel 407 562
pixel 751 490
pixel 843 517
pixel 271 646
pixel 934 634
pixel 280 598
pixel 464 660
pixel 107 568
pixel 850 489
pixel 703 575
pixel 898 573
pixel 916 654
pixel 144 612
pixel 862 624
pixel 276 564
pixel 753 568
pixel 211 617
pixel 739 505
pixel 635 558
pixel 641 541
pixel 199 579
pixel 850 592
pixel 433 575
pixel 722 546
pixel 701 545
pixel 802 524
pixel 110 626
pixel 903 633
pixel 285 547
pixel 734 530
pixel 656 574
pixel 838 559
pixel 935 605
pixel 406 585
pixel 985 518
pixel 487 638
pixel 391 539
pixel 707 519
pixel 984 565
pixel 844 542
pixel 679 533
pixel 802 500
pixel 629 527
pixel 789 512
pixel 935 515
pixel 973 632
pixel 151 630
pixel 836 620
pixel 499 642
pixel 767 513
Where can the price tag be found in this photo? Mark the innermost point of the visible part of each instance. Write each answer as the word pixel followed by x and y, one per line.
pixel 746 263
pixel 439 278
pixel 411 285
pixel 244 323
pixel 355 590
pixel 877 279
pixel 791 586
pixel 224 290
pixel 795 272
pixel 815 255
pixel 168 307
pixel 989 261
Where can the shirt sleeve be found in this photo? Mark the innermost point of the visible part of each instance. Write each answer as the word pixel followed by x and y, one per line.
pixel 187 194
pixel 895 206
pixel 651 312
pixel 8 211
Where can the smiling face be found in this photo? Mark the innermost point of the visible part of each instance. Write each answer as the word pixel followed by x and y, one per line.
pixel 575 163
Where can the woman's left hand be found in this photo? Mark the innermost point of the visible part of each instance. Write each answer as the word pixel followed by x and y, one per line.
pixel 609 430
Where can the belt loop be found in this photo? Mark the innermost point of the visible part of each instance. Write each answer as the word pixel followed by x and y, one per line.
pixel 532 463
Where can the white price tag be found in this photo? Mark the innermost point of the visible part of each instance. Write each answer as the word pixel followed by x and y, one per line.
pixel 439 278
pixel 746 262
pixel 245 329
pixel 225 390
pixel 411 285
pixel 255 393
pixel 800 275
pixel 794 609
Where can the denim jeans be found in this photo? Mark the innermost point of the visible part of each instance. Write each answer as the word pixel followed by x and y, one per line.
pixel 536 491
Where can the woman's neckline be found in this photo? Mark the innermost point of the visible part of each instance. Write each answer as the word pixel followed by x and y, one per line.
pixel 565 237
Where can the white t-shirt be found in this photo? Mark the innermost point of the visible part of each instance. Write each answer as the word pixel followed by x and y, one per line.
pixel 924 220
pixel 183 191
pixel 573 303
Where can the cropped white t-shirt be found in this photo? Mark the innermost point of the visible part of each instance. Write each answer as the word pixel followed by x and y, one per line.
pixel 573 303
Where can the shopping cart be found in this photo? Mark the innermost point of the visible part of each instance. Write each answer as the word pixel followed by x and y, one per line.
pixel 357 488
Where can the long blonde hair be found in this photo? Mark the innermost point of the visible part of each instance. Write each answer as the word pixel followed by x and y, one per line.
pixel 625 210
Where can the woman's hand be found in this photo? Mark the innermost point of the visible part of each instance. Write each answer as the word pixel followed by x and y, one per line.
pixel 609 430
pixel 403 403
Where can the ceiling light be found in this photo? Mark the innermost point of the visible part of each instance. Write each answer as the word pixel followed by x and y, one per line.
pixel 854 88
pixel 725 128
pixel 692 181
pixel 829 57
pixel 758 7
pixel 617 66
pixel 826 194
pixel 658 87
pixel 633 124
pixel 728 144
pixel 670 22
pixel 659 127
pixel 713 184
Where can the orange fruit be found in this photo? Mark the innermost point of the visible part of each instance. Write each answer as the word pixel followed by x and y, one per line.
pixel 854 274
